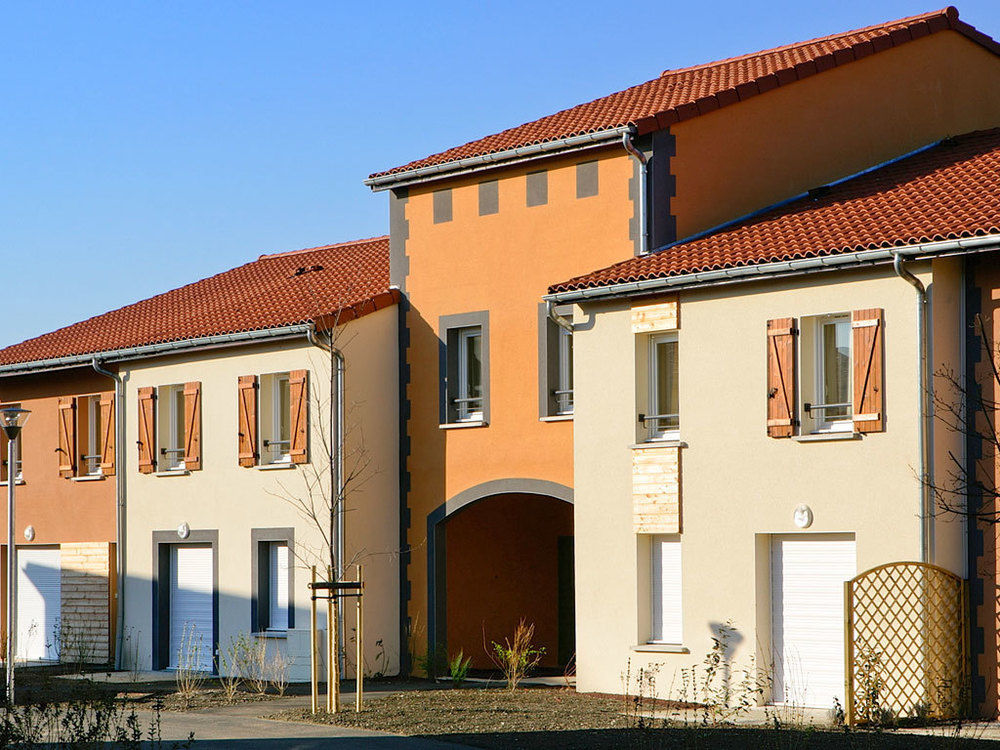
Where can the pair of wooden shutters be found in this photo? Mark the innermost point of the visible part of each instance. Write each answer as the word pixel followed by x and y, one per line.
pixel 248 444
pixel 867 373
pixel 192 428
pixel 68 409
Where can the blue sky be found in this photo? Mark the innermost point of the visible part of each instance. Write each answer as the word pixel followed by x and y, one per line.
pixel 146 145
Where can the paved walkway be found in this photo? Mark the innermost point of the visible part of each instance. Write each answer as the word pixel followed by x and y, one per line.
pixel 239 727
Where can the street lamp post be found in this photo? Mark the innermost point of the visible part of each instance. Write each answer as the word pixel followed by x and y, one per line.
pixel 12 419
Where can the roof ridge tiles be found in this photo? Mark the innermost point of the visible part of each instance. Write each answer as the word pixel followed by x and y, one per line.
pixel 286 253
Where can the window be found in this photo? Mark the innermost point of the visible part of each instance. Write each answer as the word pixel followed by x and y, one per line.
pixel 272 606
pixel 469 402
pixel 663 420
pixel 465 368
pixel 826 373
pixel 276 418
pixel 665 582
pixel 555 363
pixel 172 428
pixel 91 433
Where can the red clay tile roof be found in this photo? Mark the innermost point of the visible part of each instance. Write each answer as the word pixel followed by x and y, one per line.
pixel 949 191
pixel 349 279
pixel 682 94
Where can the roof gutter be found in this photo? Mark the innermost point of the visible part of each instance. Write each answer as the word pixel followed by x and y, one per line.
pixel 796 267
pixel 507 157
pixel 153 350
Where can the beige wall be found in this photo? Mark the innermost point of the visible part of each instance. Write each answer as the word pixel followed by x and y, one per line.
pixel 738 486
pixel 233 500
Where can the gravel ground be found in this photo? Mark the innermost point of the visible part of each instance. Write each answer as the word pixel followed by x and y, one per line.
pixel 535 718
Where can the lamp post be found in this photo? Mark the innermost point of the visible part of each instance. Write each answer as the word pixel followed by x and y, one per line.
pixel 12 419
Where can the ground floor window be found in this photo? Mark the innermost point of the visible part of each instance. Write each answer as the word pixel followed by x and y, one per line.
pixel 665 580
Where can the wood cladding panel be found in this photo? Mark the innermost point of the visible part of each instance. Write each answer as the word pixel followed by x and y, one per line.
pixel 663 316
pixel 656 490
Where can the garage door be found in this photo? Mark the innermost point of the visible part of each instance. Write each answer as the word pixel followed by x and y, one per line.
pixel 38 603
pixel 191 612
pixel 807 611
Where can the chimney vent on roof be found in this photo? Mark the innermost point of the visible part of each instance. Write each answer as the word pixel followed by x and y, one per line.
pixel 306 269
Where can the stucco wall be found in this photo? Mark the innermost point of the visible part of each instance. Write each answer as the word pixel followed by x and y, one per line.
pixel 738 485
pixel 234 500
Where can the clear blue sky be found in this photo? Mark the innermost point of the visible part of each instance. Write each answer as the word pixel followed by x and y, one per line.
pixel 146 145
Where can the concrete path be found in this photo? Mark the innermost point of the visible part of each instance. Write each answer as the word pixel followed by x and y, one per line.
pixel 239 727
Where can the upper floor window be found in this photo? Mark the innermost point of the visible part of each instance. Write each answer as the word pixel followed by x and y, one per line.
pixel 91 432
pixel 833 374
pixel 555 363
pixel 663 420
pixel 465 368
pixel 86 433
pixel 276 418
pixel 169 428
pixel 172 433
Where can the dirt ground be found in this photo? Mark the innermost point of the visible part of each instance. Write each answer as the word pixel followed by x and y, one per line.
pixel 535 718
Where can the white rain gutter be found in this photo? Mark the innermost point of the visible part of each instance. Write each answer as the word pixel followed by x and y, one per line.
pixel 120 526
pixel 926 445
pixel 486 161
pixel 152 350
pixel 336 473
pixel 641 160
pixel 724 276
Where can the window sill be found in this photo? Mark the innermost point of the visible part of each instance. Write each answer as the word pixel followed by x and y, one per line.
pixel 463 425
pixel 276 466
pixel 17 483
pixel 277 634
pixel 88 478
pixel 662 648
pixel 172 473
pixel 659 444
pixel 820 437
pixel 557 418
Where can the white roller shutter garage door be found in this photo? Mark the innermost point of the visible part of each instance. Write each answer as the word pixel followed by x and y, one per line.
pixel 39 598
pixel 191 612
pixel 807 611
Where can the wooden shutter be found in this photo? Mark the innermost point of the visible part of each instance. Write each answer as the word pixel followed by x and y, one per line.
pixel 147 430
pixel 67 437
pixel 781 397
pixel 192 423
pixel 866 330
pixel 107 404
pixel 248 420
pixel 298 384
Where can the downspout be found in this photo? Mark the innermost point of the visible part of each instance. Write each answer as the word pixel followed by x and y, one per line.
pixel 119 507
pixel 336 428
pixel 559 320
pixel 926 457
pixel 641 198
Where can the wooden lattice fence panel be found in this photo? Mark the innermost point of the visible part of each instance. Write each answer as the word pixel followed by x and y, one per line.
pixel 906 644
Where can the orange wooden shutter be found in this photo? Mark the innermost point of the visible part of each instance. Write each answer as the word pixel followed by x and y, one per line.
pixel 67 437
pixel 781 404
pixel 298 384
pixel 192 421
pixel 866 329
pixel 248 420
pixel 147 430
pixel 108 438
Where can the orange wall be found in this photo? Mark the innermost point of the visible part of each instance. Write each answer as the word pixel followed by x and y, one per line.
pixel 61 510
pixel 503 564
pixel 779 144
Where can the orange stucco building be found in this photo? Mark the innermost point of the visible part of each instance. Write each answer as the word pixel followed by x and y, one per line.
pixel 478 232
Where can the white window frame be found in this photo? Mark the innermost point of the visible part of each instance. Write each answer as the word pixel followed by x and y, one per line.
pixel 655 432
pixel 282 454
pixel 662 632
pixel 273 605
pixel 563 395
pixel 820 423
pixel 171 455
pixel 463 409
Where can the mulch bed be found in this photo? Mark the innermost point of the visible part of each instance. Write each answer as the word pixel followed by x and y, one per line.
pixel 535 718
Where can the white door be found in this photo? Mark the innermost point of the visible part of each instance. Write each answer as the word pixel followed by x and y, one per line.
pixel 191 614
pixel 807 611
pixel 39 596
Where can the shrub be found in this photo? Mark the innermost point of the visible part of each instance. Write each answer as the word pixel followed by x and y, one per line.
pixel 458 668
pixel 516 658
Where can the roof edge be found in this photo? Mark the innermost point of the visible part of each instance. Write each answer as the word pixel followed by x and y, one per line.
pixel 778 269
